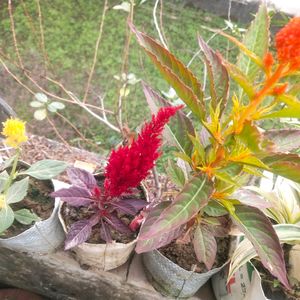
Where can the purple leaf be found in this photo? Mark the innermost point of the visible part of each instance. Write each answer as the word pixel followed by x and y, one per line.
pixel 251 198
pixel 79 232
pixel 115 222
pixel 259 230
pixel 205 246
pixel 105 232
pixel 74 195
pixel 161 240
pixel 130 206
pixel 82 178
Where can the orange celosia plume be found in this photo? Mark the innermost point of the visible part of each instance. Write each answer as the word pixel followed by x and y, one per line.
pixel 288 44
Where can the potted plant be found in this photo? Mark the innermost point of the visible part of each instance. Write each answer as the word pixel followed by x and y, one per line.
pixel 228 148
pixel 100 214
pixel 28 217
pixel 284 211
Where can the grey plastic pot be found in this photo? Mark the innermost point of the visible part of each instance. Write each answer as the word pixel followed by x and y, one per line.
pixel 172 280
pixel 43 237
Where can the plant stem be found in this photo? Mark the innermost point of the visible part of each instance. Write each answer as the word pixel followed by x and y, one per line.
pixel 12 173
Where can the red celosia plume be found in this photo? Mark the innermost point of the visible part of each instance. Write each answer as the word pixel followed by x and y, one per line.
pixel 129 165
pixel 288 43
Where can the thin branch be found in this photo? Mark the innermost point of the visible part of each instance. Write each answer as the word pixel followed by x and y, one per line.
pixel 58 134
pixel 42 38
pixel 29 18
pixel 75 129
pixel 124 66
pixel 16 78
pixel 161 21
pixel 161 38
pixel 101 119
pixel 105 7
pixel 12 26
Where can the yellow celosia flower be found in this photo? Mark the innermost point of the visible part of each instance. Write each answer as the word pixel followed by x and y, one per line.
pixel 14 131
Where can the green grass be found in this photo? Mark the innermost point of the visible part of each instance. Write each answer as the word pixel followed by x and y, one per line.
pixel 70 29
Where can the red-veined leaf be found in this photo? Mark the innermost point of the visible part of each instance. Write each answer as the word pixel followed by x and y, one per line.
pixel 218 75
pixel 179 126
pixel 175 72
pixel 284 140
pixel 205 246
pixel 258 229
pixel 285 165
pixel 161 240
pixel 194 196
pixel 250 198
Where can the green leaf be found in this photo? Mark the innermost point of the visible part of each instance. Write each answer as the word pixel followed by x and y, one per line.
pixel 41 97
pixel 215 209
pixel 217 74
pixel 251 137
pixel 285 165
pixel 45 169
pixel 54 106
pixel 241 79
pixel 223 176
pixel 292 111
pixel 8 162
pixel 17 191
pixel 175 72
pixel 26 217
pixel 205 246
pixel 6 217
pixel 175 173
pixel 288 112
pixel 3 179
pixel 36 104
pixel 198 147
pixel 190 200
pixel 258 229
pixel 178 127
pixel 284 140
pixel 256 39
pixel 40 114
pixel 244 252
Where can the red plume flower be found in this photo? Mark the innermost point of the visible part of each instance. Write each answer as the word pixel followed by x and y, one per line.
pixel 129 165
pixel 288 44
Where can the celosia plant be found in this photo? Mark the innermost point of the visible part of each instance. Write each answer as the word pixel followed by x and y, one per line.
pixel 230 146
pixel 127 167
pixel 13 190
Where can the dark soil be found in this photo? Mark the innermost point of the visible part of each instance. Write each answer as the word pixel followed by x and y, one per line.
pixel 184 255
pixel 73 214
pixel 37 201
pixel 274 290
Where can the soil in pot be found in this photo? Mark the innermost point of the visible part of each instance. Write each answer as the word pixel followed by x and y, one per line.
pixel 37 200
pixel 184 255
pixel 272 288
pixel 73 214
